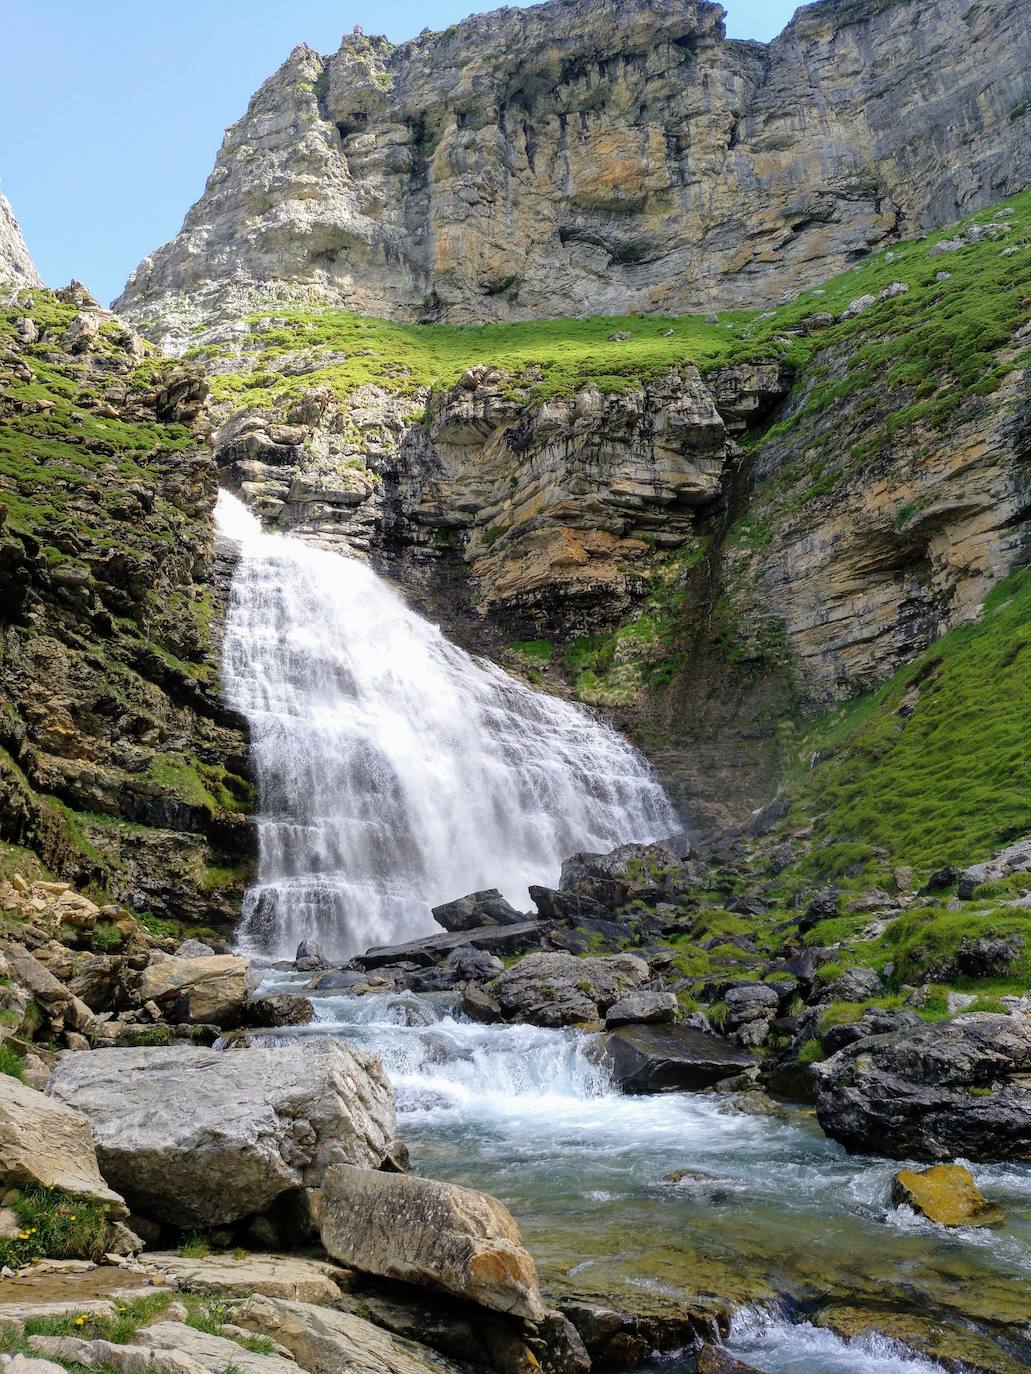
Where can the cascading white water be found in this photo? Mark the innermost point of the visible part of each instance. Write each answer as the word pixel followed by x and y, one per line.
pixel 395 771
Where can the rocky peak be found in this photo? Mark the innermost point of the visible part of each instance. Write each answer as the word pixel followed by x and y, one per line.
pixel 598 157
pixel 15 264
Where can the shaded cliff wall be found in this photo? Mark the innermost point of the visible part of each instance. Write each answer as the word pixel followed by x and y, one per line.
pixel 119 765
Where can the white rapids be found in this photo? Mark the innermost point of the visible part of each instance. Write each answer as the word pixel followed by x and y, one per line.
pixel 396 771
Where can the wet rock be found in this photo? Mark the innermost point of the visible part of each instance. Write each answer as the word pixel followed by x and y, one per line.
pixel 202 1138
pixel 279 1009
pixel 487 908
pixel 558 989
pixel 46 1142
pixel 434 1234
pixel 946 1194
pixel 642 1007
pixel 713 1359
pixel 650 1059
pixel 933 1091
pixel 494 939
pixel 478 1005
pixel 310 956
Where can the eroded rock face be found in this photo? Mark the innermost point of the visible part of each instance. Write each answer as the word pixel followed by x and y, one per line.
pixel 434 1234
pixel 324 1341
pixel 16 266
pixel 551 510
pixel 201 1138
pixel 934 1092
pixel 597 158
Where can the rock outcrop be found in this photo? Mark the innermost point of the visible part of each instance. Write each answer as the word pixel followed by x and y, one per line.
pixel 936 1092
pixel 119 763
pixel 16 266
pixel 597 158
pixel 199 1138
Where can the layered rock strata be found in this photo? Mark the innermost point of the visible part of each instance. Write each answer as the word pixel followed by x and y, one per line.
pixel 598 157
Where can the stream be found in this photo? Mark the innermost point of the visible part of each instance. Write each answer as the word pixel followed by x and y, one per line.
pixel 773 1214
pixel 396 772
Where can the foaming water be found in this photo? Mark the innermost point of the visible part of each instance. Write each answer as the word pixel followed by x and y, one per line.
pixel 396 771
pixel 759 1203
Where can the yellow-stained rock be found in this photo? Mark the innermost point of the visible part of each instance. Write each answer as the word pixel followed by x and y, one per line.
pixel 946 1194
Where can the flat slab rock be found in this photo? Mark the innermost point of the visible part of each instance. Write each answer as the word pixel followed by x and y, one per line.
pixel 496 939
pixel 325 1341
pixel 656 1059
pixel 150 1346
pixel 273 1276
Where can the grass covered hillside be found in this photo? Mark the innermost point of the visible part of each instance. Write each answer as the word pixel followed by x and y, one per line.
pixel 944 338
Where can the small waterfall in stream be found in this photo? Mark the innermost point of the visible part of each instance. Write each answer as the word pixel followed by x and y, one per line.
pixel 395 771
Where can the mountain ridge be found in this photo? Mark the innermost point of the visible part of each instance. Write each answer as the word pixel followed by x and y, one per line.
pixel 597 157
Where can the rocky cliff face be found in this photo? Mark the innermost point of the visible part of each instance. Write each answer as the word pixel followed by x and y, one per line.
pixel 16 266
pixel 119 766
pixel 599 157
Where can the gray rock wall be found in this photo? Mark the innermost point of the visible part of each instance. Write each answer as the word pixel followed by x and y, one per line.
pixel 599 157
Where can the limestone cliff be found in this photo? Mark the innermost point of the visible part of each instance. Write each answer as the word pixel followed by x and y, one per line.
pixel 119 766
pixel 599 157
pixel 16 266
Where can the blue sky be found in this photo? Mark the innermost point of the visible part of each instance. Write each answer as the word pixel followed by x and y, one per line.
pixel 111 111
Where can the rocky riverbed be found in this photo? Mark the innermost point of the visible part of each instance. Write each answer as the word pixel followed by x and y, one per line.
pixel 639 1181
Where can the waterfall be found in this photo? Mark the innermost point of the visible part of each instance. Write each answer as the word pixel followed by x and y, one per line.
pixel 395 770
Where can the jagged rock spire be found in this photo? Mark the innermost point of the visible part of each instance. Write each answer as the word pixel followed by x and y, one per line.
pixel 15 264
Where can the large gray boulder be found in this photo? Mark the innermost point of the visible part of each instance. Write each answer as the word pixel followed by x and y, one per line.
pixel 933 1091
pixel 657 1059
pixel 560 989
pixel 438 1235
pixel 199 1138
pixel 487 908
pixel 45 1142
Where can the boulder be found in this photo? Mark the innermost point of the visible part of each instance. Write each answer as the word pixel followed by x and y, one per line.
pixel 478 1005
pixel 487 908
pixel 193 949
pixel 24 1364
pixel 44 1141
pixel 962 1088
pixel 714 1359
pixel 432 948
pixel 209 990
pixel 198 1138
pixel 946 1194
pixel 437 1235
pixel 324 1341
pixel 110 1355
pixel 655 1059
pixel 643 1007
pixel 310 956
pixel 279 1009
pixel 559 989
